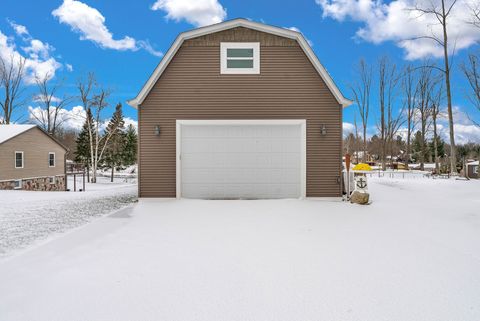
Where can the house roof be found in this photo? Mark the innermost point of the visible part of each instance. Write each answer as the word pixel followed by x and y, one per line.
pixel 473 163
pixel 10 131
pixel 234 24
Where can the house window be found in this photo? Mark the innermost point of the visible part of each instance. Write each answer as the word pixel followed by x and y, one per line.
pixel 18 159
pixel 240 58
pixel 17 184
pixel 51 159
pixel 51 180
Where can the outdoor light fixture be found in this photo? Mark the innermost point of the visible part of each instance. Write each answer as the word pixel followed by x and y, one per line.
pixel 323 130
pixel 157 130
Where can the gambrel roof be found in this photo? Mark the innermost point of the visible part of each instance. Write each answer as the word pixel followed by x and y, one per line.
pixel 234 24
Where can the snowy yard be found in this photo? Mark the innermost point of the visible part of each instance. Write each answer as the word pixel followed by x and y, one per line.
pixel 29 217
pixel 414 254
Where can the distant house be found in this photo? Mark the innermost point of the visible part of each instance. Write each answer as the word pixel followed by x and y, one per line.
pixel 472 169
pixel 31 159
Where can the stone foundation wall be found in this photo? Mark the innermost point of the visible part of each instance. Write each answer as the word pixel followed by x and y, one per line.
pixel 37 184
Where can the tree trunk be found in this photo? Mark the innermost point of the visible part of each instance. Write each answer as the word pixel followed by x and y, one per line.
pixel 435 143
pixel 111 177
pixel 364 156
pixel 422 147
pixel 408 145
pixel 453 154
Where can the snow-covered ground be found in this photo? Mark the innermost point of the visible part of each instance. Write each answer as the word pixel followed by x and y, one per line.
pixel 414 254
pixel 31 217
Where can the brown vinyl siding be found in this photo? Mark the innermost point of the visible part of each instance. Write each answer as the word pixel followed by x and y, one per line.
pixel 35 146
pixel 191 87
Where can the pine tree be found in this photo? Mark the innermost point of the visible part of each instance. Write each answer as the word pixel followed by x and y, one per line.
pixel 130 147
pixel 440 148
pixel 114 148
pixel 419 152
pixel 82 152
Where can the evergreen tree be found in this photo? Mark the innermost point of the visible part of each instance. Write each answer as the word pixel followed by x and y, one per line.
pixel 130 147
pixel 114 148
pixel 440 148
pixel 419 152
pixel 82 151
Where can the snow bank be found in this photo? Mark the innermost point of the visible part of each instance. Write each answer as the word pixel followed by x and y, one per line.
pixel 28 217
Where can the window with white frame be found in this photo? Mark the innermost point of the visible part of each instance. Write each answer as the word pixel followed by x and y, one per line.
pixel 240 58
pixel 51 180
pixel 51 159
pixel 18 159
pixel 17 184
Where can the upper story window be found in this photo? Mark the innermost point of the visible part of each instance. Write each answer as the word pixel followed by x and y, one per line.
pixel 51 159
pixel 240 58
pixel 18 159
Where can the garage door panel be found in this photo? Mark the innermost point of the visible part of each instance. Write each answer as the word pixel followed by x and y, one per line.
pixel 241 161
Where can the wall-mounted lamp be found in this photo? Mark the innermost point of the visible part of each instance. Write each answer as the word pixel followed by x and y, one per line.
pixel 157 130
pixel 323 130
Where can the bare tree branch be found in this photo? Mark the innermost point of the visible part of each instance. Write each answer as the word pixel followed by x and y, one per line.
pixel 12 73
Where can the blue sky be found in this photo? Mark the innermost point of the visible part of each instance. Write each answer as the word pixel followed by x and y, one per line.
pixel 125 53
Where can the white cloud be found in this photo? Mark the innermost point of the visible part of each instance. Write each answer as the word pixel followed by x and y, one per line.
pixel 145 44
pixel 39 98
pixel 465 130
pixel 310 43
pixel 348 128
pixel 90 24
pixel 38 49
pixel 39 61
pixel 69 67
pixel 393 21
pixel 72 119
pixel 19 29
pixel 196 12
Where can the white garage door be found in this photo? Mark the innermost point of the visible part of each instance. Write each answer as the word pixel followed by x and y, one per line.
pixel 240 159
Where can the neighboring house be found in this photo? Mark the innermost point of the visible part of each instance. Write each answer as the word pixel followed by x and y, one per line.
pixel 472 169
pixel 30 159
pixel 240 109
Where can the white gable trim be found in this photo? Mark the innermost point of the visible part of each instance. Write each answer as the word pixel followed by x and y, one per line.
pixel 229 25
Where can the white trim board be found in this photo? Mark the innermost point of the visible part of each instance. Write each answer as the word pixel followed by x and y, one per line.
pixel 255 46
pixel 234 24
pixel 302 122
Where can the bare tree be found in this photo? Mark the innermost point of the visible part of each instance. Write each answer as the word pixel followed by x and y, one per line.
pixel 361 93
pixel 442 13
pixel 50 116
pixel 408 105
pixel 12 73
pixel 356 136
pixel 436 100
pixel 475 9
pixel 423 99
pixel 471 69
pixel 389 123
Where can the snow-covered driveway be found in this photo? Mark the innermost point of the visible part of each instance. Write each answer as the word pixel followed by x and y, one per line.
pixel 414 254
